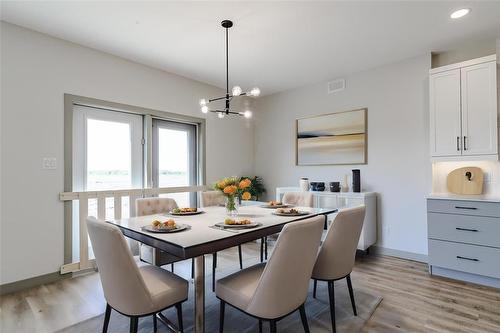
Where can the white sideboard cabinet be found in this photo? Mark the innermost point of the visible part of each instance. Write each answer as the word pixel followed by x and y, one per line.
pixel 344 200
pixel 464 110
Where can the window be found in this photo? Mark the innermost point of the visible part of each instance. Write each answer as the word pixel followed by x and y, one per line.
pixel 116 146
pixel 107 155
pixel 175 158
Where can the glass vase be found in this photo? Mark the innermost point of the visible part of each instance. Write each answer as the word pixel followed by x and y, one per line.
pixel 232 204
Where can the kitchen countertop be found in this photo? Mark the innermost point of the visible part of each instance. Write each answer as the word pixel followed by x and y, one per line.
pixel 451 196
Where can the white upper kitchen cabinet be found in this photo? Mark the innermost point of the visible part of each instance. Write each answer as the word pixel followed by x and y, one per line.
pixel 445 113
pixel 463 110
pixel 479 109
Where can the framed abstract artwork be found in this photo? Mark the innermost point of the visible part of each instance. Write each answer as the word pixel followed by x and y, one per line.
pixel 335 138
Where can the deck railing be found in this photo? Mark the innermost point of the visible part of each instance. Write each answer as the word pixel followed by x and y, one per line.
pixel 85 263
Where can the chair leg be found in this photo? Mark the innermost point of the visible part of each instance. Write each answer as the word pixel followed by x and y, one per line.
pixel 107 315
pixel 192 268
pixel 221 316
pixel 303 317
pixel 241 258
pixel 272 323
pixel 331 293
pixel 172 267
pixel 260 325
pixel 155 323
pixel 134 321
pixel 214 265
pixel 262 249
pixel 265 247
pixel 315 287
pixel 178 306
pixel 351 294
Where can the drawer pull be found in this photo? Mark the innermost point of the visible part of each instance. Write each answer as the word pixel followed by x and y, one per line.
pixel 461 207
pixel 465 229
pixel 465 258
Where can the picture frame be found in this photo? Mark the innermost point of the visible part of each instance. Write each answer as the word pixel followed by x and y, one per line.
pixel 339 138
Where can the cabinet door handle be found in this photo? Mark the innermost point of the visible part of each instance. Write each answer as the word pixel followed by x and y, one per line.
pixel 465 143
pixel 461 207
pixel 465 258
pixel 458 143
pixel 465 229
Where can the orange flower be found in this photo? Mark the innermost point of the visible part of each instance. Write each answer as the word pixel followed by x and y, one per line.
pixel 245 183
pixel 221 184
pixel 246 196
pixel 231 189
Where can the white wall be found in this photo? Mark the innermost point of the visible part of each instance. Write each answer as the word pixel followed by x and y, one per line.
pixel 36 72
pixel 398 168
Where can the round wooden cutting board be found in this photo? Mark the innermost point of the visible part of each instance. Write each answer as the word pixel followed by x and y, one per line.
pixel 467 180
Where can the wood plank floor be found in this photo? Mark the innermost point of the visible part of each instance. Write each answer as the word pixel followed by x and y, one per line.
pixel 413 301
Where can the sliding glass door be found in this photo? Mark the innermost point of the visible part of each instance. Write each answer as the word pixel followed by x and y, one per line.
pixel 175 158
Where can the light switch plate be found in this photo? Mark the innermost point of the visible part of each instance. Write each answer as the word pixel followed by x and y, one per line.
pixel 49 163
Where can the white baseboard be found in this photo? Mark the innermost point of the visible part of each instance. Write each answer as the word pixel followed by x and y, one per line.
pixel 400 254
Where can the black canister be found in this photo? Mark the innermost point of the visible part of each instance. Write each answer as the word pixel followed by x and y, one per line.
pixel 356 180
pixel 334 186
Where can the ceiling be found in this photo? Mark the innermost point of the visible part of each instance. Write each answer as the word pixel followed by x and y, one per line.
pixel 274 45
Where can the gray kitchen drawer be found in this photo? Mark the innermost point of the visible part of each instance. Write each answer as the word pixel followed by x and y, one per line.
pixel 479 230
pixel 476 208
pixel 473 259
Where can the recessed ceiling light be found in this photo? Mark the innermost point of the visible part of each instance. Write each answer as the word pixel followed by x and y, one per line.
pixel 460 13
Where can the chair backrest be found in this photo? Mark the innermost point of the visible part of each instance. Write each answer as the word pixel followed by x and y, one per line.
pixel 338 252
pixel 123 285
pixel 150 206
pixel 284 282
pixel 212 198
pixel 303 199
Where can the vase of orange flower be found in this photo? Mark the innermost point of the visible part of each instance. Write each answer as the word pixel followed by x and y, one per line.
pixel 234 189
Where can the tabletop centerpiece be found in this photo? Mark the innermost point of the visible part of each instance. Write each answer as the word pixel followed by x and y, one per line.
pixel 234 189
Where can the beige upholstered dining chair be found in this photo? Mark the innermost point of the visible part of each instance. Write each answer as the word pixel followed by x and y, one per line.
pixel 150 206
pixel 302 199
pixel 274 290
pixel 131 290
pixel 337 254
pixel 212 198
pixel 215 198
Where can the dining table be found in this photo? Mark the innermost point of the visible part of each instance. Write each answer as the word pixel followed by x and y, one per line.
pixel 203 235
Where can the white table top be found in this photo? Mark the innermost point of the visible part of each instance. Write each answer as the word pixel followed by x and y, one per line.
pixel 201 235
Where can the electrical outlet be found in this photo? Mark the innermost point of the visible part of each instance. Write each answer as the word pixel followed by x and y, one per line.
pixel 49 163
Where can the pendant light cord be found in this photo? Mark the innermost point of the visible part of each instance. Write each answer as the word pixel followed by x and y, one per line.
pixel 227 61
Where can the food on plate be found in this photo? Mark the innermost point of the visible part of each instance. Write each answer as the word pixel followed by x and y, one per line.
pixel 235 222
pixel 275 203
pixel 168 224
pixel 287 211
pixel 184 210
